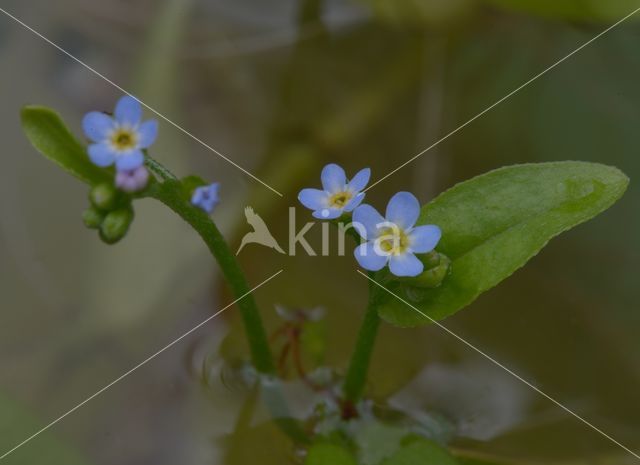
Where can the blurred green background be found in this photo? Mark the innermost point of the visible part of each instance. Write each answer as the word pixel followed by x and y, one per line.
pixel 283 87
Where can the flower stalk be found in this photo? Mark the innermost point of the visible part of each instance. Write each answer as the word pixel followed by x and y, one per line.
pixel 356 378
pixel 170 193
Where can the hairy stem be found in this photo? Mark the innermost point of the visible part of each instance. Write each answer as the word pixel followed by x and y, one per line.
pixel 170 193
pixel 356 378
pixel 158 169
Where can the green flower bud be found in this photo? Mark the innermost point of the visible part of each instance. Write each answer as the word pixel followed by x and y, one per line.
pixel 430 260
pixel 92 217
pixel 436 267
pixel 104 196
pixel 116 224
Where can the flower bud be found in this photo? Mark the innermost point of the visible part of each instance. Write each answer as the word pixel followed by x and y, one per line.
pixel 116 224
pixel 92 217
pixel 104 196
pixel 430 260
pixel 132 180
pixel 436 267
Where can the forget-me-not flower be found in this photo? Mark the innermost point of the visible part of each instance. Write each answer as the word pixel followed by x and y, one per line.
pixel 206 197
pixel 119 139
pixel 337 195
pixel 394 239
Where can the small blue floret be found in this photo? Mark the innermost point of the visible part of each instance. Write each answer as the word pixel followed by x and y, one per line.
pixel 338 195
pixel 394 239
pixel 206 197
pixel 119 139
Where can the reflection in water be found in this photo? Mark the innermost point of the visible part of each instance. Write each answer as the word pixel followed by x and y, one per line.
pixel 442 403
pixel 481 401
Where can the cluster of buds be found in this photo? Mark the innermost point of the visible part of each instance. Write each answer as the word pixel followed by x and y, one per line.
pixel 111 213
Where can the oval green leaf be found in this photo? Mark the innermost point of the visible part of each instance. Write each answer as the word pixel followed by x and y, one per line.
pixel 494 223
pixel 48 134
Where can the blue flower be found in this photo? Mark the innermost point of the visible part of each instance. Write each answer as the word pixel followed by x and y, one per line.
pixel 395 239
pixel 337 195
pixel 206 197
pixel 120 138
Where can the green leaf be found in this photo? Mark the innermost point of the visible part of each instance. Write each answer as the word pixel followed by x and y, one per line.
pixel 49 135
pixel 377 441
pixel 420 451
pixel 190 184
pixel 329 454
pixel 494 223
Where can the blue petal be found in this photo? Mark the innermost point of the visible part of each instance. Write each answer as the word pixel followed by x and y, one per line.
pixel 214 195
pixel 97 126
pixel 369 218
pixel 425 238
pixel 196 198
pixel 360 180
pixel 210 205
pixel 333 178
pixel 368 258
pixel 130 160
pixel 406 264
pixel 214 191
pixel 327 213
pixel 403 210
pixel 147 133
pixel 128 111
pixel 354 202
pixel 101 154
pixel 313 199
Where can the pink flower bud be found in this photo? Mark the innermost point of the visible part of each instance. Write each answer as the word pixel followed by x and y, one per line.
pixel 132 180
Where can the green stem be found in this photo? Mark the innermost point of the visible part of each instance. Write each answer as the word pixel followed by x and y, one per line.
pixel 158 169
pixel 357 374
pixel 171 193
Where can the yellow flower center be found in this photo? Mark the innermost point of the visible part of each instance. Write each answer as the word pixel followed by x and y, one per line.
pixel 393 241
pixel 340 199
pixel 124 139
